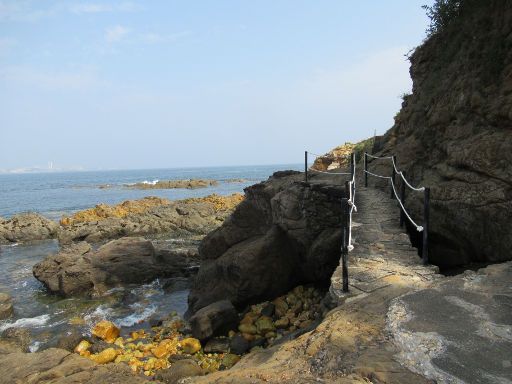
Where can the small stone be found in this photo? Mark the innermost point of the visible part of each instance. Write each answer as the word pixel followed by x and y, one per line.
pixel 281 306
pixel 264 324
pixel 229 360
pixel 231 334
pixel 270 335
pixel 104 357
pixel 298 290
pixel 217 345
pixel 238 345
pixel 190 345
pixel 268 310
pixel 178 370
pixel 282 323
pixel 249 337
pixel 83 346
pixel 248 328
pixel 106 330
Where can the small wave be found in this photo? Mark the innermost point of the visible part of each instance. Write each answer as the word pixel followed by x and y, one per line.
pixel 34 347
pixel 150 182
pixel 141 313
pixel 101 312
pixel 28 322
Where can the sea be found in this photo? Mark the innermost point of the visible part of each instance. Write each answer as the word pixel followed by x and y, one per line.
pixel 54 194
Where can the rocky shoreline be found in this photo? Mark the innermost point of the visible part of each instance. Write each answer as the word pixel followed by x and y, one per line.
pixel 147 216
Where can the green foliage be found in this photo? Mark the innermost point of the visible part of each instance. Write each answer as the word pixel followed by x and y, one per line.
pixel 362 147
pixel 441 14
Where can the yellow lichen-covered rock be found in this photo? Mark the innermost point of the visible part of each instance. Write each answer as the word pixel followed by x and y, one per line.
pixel 119 342
pixel 190 345
pixel 165 347
pixel 106 330
pixel 83 346
pixel 106 356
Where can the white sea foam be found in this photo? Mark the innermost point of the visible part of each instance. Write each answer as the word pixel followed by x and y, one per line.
pixel 150 182
pixel 28 322
pixel 140 314
pixel 34 347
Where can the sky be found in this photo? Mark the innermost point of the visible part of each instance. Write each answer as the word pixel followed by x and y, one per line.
pixel 164 84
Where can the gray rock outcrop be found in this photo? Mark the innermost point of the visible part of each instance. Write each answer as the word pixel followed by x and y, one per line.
pixel 283 234
pixel 26 227
pixel 79 270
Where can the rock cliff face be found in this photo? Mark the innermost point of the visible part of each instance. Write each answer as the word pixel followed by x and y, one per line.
pixel 454 134
pixel 284 233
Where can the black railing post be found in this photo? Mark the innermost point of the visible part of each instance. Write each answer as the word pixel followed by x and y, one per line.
pixel 426 218
pixel 344 245
pixel 402 199
pixel 306 166
pixel 393 179
pixel 365 169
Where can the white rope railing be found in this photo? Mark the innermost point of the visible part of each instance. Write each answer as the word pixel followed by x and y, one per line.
pixel 419 228
pixel 353 207
pixel 419 189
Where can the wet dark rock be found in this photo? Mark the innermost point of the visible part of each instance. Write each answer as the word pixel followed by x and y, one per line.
pixel 79 270
pixel 99 345
pixel 268 310
pixel 238 345
pixel 258 343
pixel 70 340
pixel 215 319
pixel 179 370
pixel 217 345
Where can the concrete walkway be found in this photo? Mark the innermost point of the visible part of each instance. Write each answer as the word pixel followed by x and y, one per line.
pixel 447 329
pixel 381 248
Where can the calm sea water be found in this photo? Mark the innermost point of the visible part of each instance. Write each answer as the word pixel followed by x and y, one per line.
pixel 53 194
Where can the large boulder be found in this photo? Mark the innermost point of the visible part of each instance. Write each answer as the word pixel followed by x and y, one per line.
pixel 215 319
pixel 26 227
pixel 283 234
pixel 79 270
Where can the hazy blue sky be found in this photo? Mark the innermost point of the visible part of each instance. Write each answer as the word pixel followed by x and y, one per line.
pixel 155 84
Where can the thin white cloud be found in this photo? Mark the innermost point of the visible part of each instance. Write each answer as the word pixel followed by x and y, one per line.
pixel 156 38
pixel 84 8
pixel 115 33
pixel 22 10
pixel 72 81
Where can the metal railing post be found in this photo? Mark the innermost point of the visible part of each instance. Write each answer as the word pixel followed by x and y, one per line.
pixel 365 169
pixel 426 218
pixel 393 179
pixel 306 166
pixel 402 198
pixel 344 245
